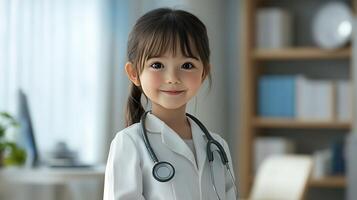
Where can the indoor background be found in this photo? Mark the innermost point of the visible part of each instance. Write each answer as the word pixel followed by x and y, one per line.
pixel 68 56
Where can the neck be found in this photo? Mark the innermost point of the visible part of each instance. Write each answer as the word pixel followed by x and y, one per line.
pixel 174 118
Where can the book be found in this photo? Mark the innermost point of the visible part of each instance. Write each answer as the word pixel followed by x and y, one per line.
pixel 338 158
pixel 276 96
pixel 274 28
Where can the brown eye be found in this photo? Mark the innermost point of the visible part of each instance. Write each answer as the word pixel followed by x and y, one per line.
pixel 157 65
pixel 187 66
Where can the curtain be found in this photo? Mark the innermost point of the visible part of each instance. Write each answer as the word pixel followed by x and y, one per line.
pixel 58 53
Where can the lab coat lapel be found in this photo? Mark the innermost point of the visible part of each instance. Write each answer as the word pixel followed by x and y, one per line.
pixel 200 142
pixel 169 137
pixel 174 142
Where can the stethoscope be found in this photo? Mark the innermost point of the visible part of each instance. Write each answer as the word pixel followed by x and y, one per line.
pixel 164 171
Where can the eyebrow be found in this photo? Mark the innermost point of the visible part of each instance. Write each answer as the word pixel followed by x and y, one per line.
pixel 192 57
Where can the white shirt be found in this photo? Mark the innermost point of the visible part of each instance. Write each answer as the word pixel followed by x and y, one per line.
pixel 192 147
pixel 129 167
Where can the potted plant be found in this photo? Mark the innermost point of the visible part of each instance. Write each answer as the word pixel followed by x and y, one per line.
pixel 10 152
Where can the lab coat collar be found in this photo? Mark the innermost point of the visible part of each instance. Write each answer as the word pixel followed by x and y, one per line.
pixel 174 142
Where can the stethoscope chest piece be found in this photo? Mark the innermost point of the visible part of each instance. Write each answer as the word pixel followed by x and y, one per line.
pixel 163 171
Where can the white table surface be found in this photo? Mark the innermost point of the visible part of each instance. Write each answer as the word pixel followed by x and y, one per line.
pixel 47 175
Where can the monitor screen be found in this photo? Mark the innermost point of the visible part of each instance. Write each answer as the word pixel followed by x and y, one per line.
pixel 27 137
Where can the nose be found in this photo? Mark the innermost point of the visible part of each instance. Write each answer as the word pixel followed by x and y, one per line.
pixel 172 77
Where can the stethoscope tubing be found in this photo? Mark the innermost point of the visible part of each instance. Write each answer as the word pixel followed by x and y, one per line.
pixel 146 139
pixel 211 142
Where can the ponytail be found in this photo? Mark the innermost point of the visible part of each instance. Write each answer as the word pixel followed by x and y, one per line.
pixel 134 109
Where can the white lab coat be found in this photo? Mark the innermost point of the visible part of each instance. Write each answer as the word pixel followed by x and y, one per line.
pixel 129 176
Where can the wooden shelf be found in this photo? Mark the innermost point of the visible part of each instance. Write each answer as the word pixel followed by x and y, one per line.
pixel 293 123
pixel 253 59
pixel 330 182
pixel 301 53
pixel 326 182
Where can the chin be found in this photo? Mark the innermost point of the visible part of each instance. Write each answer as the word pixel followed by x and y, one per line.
pixel 173 107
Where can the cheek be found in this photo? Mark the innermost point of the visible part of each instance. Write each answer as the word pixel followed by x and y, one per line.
pixel 151 80
pixel 193 80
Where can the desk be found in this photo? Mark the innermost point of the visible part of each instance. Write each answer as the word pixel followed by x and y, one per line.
pixel 58 177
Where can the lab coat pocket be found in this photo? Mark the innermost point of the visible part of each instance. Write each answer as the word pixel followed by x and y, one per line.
pixel 185 190
pixel 186 184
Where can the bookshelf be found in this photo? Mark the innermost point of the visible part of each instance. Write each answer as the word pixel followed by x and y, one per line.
pixel 300 53
pixel 326 182
pixel 299 124
pixel 329 182
pixel 253 62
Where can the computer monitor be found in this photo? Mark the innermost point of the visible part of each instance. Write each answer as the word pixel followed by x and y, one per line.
pixel 28 141
pixel 27 137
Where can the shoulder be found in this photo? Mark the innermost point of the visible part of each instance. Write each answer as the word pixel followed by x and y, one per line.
pixel 220 139
pixel 125 148
pixel 223 142
pixel 217 137
pixel 129 133
pixel 126 142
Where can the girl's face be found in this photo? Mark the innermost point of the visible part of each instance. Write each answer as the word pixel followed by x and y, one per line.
pixel 171 80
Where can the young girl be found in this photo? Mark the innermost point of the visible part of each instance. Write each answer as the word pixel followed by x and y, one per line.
pixel 164 153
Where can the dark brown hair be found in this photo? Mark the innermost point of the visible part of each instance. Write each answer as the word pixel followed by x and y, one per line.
pixel 153 34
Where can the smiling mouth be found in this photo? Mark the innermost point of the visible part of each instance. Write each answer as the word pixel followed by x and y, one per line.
pixel 173 92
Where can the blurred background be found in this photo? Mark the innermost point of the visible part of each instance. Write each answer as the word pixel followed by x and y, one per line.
pixel 282 85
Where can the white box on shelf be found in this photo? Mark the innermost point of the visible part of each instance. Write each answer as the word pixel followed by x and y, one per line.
pixel 322 163
pixel 274 28
pixel 268 146
pixel 344 100
pixel 303 91
pixel 315 99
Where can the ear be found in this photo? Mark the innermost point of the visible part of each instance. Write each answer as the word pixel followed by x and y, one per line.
pixel 132 74
pixel 204 74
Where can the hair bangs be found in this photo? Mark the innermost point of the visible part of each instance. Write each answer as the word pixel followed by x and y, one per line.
pixel 165 39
